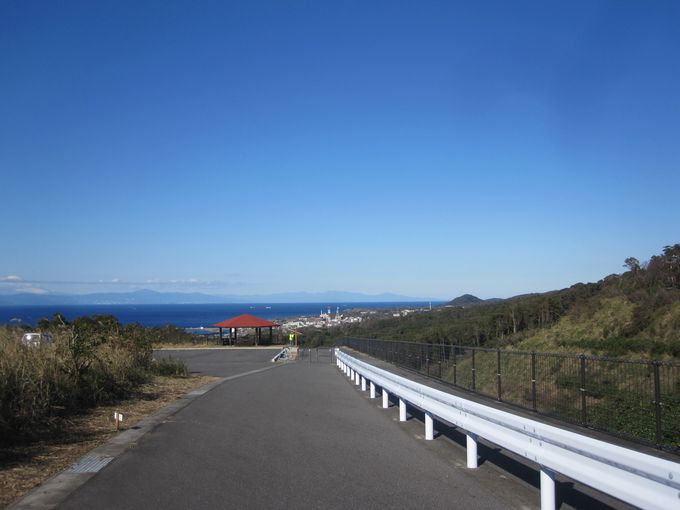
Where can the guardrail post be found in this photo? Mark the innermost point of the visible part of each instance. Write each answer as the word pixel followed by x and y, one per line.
pixel 402 409
pixel 363 383
pixel 547 489
pixel 372 389
pixel 584 413
pixel 657 404
pixel 429 427
pixel 386 398
pixel 357 378
pixel 455 365
pixel 471 450
pixel 498 373
pixel 533 381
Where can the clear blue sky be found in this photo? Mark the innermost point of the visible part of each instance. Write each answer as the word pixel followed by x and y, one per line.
pixel 423 148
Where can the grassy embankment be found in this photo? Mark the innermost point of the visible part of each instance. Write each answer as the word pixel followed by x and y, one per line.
pixel 635 315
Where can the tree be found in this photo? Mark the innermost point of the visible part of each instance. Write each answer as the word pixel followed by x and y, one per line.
pixel 632 264
pixel 671 255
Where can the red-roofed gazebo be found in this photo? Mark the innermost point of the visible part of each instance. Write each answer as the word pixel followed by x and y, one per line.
pixel 246 321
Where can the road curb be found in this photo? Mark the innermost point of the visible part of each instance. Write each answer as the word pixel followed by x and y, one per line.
pixel 53 491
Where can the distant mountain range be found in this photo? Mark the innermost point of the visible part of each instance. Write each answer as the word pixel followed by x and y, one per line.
pixel 151 297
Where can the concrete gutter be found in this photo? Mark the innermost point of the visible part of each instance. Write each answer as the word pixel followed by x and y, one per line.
pixel 52 492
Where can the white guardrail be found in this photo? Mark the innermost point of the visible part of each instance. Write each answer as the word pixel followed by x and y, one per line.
pixel 636 478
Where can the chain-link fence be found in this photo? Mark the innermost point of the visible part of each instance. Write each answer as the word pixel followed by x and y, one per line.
pixel 638 400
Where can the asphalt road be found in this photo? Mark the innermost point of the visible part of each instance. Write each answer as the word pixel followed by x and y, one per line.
pixel 221 362
pixel 300 435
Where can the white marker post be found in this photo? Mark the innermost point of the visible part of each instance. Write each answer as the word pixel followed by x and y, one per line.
pixel 118 417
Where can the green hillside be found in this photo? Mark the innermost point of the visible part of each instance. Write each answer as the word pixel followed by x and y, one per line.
pixel 634 313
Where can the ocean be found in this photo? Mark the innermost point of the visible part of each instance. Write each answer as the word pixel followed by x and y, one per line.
pixel 184 316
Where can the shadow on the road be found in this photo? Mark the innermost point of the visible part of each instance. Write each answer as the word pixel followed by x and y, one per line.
pixel 567 493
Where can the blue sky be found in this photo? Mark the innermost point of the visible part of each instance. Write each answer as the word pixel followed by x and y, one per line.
pixel 422 148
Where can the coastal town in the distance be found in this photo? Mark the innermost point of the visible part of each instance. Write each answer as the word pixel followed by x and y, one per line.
pixel 329 318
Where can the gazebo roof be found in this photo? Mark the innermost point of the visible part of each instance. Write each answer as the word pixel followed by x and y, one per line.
pixel 246 321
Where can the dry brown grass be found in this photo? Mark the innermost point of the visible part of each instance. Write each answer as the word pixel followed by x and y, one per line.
pixel 24 467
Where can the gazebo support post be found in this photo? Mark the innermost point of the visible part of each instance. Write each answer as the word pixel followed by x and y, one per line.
pixel 270 335
pixel 221 341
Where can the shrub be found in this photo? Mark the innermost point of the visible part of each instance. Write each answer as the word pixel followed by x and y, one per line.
pixel 92 361
pixel 173 367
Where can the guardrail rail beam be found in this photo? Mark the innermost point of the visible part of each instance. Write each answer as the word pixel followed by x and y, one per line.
pixel 634 477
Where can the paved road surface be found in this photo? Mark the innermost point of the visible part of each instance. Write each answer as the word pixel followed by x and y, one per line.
pixel 300 436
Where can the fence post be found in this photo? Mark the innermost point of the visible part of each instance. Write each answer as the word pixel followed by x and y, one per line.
pixel 473 370
pixel 498 372
pixel 584 414
pixel 657 403
pixel 533 381
pixel 455 365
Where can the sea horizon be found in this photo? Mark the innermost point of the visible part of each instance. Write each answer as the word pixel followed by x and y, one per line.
pixel 189 315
